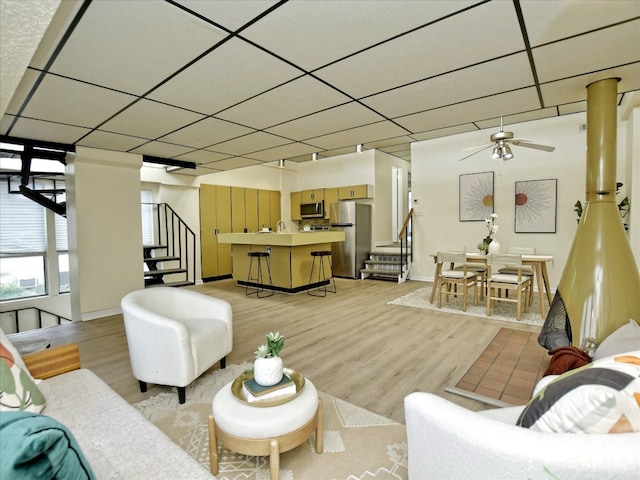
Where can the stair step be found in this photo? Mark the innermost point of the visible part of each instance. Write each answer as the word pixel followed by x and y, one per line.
pixel 167 271
pixel 381 271
pixel 381 262
pixel 153 247
pixel 183 283
pixel 161 259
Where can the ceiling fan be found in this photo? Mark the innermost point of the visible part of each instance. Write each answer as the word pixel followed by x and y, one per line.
pixel 500 143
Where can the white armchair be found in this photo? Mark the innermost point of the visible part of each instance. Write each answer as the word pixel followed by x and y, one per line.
pixel 175 335
pixel 447 441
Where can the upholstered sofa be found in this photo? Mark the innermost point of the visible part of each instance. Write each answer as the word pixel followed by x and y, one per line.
pixel 114 438
pixel 447 441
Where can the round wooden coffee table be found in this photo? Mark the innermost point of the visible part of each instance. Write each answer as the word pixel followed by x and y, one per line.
pixel 256 430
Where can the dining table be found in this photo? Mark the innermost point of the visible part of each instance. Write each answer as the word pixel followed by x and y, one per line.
pixel 537 261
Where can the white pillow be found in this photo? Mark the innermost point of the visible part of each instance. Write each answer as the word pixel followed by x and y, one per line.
pixel 624 339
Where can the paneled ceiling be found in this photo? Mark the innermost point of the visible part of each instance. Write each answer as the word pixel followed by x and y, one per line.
pixel 229 84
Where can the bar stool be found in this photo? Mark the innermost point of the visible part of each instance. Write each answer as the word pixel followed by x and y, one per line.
pixel 260 285
pixel 321 290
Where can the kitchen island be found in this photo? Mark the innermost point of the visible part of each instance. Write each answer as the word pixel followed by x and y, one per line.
pixel 290 256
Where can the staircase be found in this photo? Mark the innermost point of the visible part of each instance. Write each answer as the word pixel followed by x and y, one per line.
pixel 171 261
pixel 392 261
pixel 386 263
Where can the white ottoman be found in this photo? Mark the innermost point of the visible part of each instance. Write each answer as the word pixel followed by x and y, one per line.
pixel 253 430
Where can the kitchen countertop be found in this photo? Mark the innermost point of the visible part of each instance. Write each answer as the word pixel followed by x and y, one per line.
pixel 281 239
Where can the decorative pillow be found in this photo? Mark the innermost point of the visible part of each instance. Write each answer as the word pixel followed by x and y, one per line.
pixel 18 391
pixel 4 340
pixel 37 446
pixel 601 397
pixel 624 339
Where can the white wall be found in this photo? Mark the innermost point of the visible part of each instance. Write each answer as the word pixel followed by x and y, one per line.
pixel 105 230
pixel 383 228
pixel 436 168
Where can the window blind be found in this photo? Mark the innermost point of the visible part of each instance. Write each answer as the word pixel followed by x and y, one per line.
pixel 22 223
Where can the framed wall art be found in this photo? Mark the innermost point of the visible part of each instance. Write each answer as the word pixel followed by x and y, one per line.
pixel 536 204
pixel 476 196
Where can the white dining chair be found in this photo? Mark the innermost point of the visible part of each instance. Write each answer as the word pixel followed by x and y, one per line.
pixel 452 277
pixel 497 281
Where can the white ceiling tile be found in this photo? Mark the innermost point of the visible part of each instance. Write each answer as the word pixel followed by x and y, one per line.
pixel 456 74
pixel 327 121
pixel 47 131
pixel 205 86
pixel 75 103
pixel 111 141
pixel 133 45
pixel 588 53
pixel 249 143
pixel 202 156
pixel 575 89
pixel 314 33
pixel 231 14
pixel 445 132
pixel 207 132
pixel 161 149
pixel 573 108
pixel 398 142
pixel 150 119
pixel 295 99
pixel 364 134
pixel 285 151
pixel 550 21
pixel 464 39
pixel 231 163
pixel 508 73
pixel 490 107
pixel 518 118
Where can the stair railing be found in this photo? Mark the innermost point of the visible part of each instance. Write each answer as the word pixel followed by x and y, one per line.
pixel 405 237
pixel 173 233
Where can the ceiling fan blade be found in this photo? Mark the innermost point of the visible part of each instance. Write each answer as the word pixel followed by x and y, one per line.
pixel 477 146
pixel 478 151
pixel 526 143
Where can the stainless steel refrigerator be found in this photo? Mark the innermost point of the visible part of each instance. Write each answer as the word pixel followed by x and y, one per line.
pixel 354 219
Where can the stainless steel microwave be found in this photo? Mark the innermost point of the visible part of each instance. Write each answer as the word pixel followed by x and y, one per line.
pixel 312 210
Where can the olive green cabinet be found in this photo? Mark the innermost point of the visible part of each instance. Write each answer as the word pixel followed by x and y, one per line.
pixel 215 218
pixel 231 210
pixel 354 192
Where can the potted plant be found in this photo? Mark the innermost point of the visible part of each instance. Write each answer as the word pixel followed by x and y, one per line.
pixel 267 367
pixel 483 247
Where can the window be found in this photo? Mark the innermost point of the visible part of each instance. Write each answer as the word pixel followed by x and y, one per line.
pixel 23 246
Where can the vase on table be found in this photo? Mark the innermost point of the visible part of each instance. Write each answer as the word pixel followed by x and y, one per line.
pixel 494 247
pixel 267 371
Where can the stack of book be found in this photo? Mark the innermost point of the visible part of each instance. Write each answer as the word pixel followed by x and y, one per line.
pixel 254 392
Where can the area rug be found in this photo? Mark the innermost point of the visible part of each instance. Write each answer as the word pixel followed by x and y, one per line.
pixel 504 372
pixel 358 444
pixel 503 311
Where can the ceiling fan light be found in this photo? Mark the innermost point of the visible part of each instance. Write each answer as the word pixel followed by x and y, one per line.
pixel 507 154
pixel 497 152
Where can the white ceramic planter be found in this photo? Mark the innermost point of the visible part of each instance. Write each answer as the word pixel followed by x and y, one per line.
pixel 267 371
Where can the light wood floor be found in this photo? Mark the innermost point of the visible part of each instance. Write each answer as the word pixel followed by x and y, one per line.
pixel 352 344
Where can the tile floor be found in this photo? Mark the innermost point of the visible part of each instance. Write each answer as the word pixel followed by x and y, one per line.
pixel 508 368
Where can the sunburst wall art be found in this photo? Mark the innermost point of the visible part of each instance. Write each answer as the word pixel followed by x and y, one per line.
pixel 476 196
pixel 536 203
